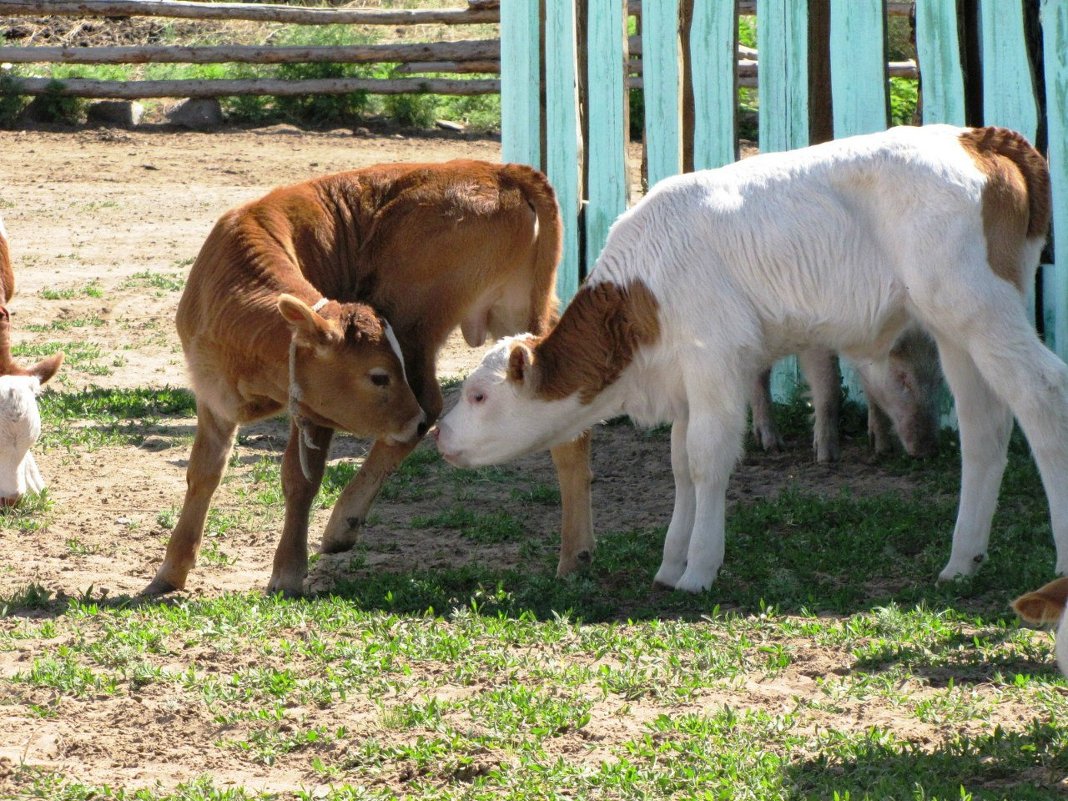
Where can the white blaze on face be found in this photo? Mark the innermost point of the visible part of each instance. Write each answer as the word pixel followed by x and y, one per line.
pixel 20 426
pixel 395 344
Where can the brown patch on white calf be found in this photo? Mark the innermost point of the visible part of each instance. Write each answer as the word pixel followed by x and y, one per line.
pixel 595 340
pixel 1016 198
pixel 1044 605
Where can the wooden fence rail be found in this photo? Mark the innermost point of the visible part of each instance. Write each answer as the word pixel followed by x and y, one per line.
pixel 465 57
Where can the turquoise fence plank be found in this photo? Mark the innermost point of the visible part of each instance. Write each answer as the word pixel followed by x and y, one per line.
pixel 660 77
pixel 561 119
pixel 1055 277
pixel 782 89
pixel 782 80
pixel 858 66
pixel 606 150
pixel 1008 83
pixel 858 88
pixel 938 51
pixel 520 101
pixel 713 42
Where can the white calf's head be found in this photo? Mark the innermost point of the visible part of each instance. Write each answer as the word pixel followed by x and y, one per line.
pixel 500 415
pixel 531 393
pixel 20 426
pixel 1047 605
pixel 906 385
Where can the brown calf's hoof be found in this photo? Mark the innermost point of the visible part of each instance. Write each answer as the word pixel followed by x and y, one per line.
pixel 568 565
pixel 159 586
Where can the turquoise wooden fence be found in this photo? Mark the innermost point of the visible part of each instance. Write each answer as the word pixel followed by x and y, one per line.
pixel 859 89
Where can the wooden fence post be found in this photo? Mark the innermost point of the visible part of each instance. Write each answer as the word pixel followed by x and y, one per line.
pixel 660 74
pixel 938 52
pixel 562 123
pixel 1055 277
pixel 520 87
pixel 859 87
pixel 713 61
pixel 782 85
pixel 606 149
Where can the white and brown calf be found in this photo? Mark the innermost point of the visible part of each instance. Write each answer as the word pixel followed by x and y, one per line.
pixel 844 245
pixel 1047 605
pixel 20 420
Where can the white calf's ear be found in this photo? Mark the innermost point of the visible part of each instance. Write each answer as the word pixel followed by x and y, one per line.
pixel 520 361
pixel 46 368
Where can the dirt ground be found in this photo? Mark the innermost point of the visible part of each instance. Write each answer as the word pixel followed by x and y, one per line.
pixel 107 209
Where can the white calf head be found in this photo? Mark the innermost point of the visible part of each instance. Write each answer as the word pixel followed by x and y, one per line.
pixel 20 426
pixel 1047 605
pixel 500 415
pixel 906 385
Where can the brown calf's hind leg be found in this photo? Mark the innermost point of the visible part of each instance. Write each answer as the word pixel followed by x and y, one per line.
pixel 211 448
pixel 572 461
pixel 291 556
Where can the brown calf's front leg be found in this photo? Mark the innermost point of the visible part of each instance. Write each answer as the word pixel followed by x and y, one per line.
pixel 572 461
pixel 350 511
pixel 353 505
pixel 207 461
pixel 291 556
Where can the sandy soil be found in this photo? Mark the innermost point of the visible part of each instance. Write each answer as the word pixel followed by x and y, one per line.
pixel 124 212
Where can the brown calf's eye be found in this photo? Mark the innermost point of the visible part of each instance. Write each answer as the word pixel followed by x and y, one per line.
pixel 380 379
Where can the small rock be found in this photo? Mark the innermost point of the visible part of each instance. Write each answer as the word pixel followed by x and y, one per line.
pixel 126 113
pixel 197 113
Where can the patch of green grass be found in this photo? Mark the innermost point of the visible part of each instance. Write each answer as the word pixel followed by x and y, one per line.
pixel 91 290
pixel 494 527
pixel 95 417
pixel 67 324
pixel 162 282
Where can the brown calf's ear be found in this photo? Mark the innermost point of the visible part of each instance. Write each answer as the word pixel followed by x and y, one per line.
pixel 1044 605
pixel 46 368
pixel 301 318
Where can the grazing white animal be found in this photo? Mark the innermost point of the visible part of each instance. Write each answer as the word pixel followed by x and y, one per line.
pixel 843 245
pixel 20 427
pixel 20 421
pixel 1047 605
pixel 902 393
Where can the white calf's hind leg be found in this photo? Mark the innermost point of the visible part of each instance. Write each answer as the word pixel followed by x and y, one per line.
pixel 677 540
pixel 985 424
pixel 713 443
pixel 1035 383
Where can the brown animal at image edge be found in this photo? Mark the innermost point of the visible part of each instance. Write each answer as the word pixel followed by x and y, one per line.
pixel 401 254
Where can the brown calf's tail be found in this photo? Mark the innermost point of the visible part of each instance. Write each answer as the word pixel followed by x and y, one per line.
pixel 548 247
pixel 7 275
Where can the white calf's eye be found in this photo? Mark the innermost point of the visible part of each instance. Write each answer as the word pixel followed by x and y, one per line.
pixel 478 397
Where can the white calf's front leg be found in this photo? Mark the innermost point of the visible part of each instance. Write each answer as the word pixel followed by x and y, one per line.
pixel 677 540
pixel 713 444
pixel 985 424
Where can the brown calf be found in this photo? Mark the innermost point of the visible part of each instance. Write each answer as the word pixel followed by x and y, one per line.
pixel 429 247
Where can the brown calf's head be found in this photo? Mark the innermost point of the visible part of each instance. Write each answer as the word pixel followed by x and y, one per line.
pixel 346 371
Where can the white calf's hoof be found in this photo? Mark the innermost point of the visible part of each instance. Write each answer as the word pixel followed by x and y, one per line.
pixel 695 581
pixel 961 568
pixel 669 574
